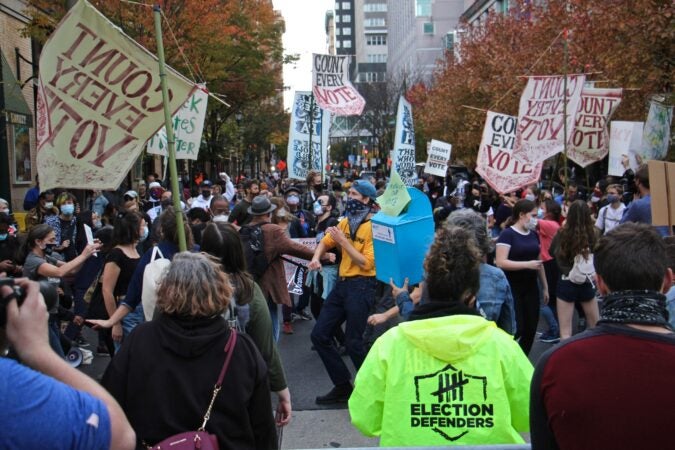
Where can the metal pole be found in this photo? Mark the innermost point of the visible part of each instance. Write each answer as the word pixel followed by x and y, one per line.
pixel 311 128
pixel 182 245
pixel 565 59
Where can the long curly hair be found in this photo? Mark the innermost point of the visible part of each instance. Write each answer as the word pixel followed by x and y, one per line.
pixel 577 235
pixel 453 265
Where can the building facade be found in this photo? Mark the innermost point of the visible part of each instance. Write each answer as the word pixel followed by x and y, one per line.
pixel 371 41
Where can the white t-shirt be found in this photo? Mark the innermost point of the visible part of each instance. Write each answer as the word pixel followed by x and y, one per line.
pixel 609 217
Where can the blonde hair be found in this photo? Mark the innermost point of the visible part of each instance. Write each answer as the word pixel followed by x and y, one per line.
pixel 194 286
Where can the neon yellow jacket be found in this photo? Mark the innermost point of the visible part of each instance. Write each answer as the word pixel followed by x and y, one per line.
pixel 454 380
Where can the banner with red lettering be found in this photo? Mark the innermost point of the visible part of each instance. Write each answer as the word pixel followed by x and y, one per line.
pixel 495 162
pixel 331 86
pixel 590 139
pixel 540 132
pixel 99 101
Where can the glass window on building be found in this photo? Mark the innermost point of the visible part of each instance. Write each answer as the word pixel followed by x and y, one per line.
pixel 346 18
pixel 337 44
pixel 346 5
pixel 20 151
pixel 375 7
pixel 347 44
pixel 428 28
pixel 337 32
pixel 378 22
pixel 422 8
pixel 337 18
pixel 347 31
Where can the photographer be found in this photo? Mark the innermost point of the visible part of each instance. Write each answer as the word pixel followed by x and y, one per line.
pixel 640 209
pixel 59 407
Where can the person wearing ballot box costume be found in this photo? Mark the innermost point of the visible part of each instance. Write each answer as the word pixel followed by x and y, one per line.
pixel 354 295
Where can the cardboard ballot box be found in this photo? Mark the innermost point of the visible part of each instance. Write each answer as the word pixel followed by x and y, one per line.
pixel 402 242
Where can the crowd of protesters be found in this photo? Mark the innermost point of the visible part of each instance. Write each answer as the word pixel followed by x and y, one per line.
pixel 497 265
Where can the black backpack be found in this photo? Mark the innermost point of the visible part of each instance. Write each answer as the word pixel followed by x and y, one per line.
pixel 254 244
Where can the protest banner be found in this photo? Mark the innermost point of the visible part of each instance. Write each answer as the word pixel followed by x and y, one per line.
pixel 292 263
pixel 99 101
pixel 625 139
pixel 331 86
pixel 656 133
pixel 495 162
pixel 540 132
pixel 590 139
pixel 403 156
pixel 438 158
pixel 188 125
pixel 299 137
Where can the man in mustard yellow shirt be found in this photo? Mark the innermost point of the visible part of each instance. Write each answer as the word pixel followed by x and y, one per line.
pixel 353 297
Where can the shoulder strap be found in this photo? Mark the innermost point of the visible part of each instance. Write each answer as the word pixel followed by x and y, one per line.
pixel 229 349
pixel 156 251
pixel 604 219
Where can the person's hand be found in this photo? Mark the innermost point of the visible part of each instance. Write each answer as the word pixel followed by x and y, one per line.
pixel 625 162
pixel 377 319
pixel 284 409
pixel 117 332
pixel 91 249
pixel 328 257
pixel 7 266
pixel 534 264
pixel 98 323
pixel 395 290
pixel 27 326
pixel 546 296
pixel 78 320
pixel 337 235
pixel 314 264
pixel 65 244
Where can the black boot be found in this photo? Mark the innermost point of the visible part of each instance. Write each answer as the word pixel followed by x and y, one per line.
pixel 339 394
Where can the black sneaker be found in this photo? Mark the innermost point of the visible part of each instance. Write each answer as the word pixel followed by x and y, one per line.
pixel 339 394
pixel 302 315
pixel 550 338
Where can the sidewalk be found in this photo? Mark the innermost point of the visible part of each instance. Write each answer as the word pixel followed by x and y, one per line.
pixel 314 429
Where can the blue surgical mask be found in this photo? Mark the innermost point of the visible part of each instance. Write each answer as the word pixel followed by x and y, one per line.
pixel 97 224
pixel 318 209
pixel 145 234
pixel 3 236
pixel 612 198
pixel 540 213
pixel 67 209
pixel 532 224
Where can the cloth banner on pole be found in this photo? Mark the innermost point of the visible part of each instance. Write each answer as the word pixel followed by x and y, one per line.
pixel 540 132
pixel 495 162
pixel 625 140
pixel 298 137
pixel 590 139
pixel 403 156
pixel 188 125
pixel 331 86
pixel 438 158
pixel 99 101
pixel 656 134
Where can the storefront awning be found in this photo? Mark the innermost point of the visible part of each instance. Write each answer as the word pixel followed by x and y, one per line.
pixel 12 102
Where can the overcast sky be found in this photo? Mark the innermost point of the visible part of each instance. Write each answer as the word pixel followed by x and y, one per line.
pixel 305 34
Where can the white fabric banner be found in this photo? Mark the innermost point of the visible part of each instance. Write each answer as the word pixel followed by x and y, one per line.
pixel 99 101
pixel 438 158
pixel 188 125
pixel 299 137
pixel 403 157
pixel 590 139
pixel 495 162
pixel 540 132
pixel 625 140
pixel 331 86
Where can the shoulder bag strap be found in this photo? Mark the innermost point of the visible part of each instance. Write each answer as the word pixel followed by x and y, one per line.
pixel 229 349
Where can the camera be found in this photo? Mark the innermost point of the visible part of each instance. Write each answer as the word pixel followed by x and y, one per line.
pixel 47 289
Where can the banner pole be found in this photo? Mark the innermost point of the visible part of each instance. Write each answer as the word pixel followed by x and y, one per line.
pixel 171 150
pixel 311 129
pixel 565 58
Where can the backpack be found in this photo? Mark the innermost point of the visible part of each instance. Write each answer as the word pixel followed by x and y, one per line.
pixel 254 249
pixel 152 275
pixel 583 270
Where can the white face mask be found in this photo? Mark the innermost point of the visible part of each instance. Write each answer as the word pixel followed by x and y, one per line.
pixel 220 218
pixel 532 224
pixel 49 205
pixel 529 197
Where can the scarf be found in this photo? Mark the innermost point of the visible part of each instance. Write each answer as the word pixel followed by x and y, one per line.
pixel 356 213
pixel 441 308
pixel 635 307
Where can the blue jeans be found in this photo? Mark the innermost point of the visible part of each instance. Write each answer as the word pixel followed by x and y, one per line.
pixel 352 301
pixel 135 317
pixel 274 314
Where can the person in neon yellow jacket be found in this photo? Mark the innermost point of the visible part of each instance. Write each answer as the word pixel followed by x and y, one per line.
pixel 448 376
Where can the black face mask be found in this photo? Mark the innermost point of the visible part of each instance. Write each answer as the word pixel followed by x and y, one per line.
pixel 49 248
pixel 318 188
pixel 206 193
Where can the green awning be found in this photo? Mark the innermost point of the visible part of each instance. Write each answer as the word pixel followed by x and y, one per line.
pixel 12 102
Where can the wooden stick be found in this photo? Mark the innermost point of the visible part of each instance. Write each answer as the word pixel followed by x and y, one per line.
pixel 473 107
pixel 532 76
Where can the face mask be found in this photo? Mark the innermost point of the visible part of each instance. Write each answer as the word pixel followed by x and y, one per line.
pixel 318 209
pixel 49 205
pixel 3 236
pixel 67 210
pixel 540 213
pixel 145 234
pixel 595 199
pixel 612 198
pixel 49 248
pixel 97 224
pixel 532 224
pixel 206 193
pixel 529 197
pixel 293 200
pixel 220 218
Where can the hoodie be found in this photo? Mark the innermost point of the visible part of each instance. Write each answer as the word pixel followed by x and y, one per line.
pixel 452 380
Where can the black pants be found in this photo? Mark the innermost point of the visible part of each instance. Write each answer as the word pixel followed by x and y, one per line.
pixel 526 297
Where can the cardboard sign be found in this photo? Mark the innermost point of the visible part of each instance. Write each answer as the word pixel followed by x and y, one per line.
pixel 299 137
pixel 495 162
pixel 625 139
pixel 656 134
pixel 540 132
pixel 99 101
pixel 662 192
pixel 438 157
pixel 331 86
pixel 188 125
pixel 291 263
pixel 403 156
pixel 395 197
pixel 590 139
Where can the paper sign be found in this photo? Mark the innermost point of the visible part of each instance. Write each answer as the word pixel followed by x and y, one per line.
pixel 292 262
pixel 299 137
pixel 540 132
pixel 383 233
pixel 438 158
pixel 403 157
pixel 188 125
pixel 395 197
pixel 495 162
pixel 625 139
pixel 656 134
pixel 89 235
pixel 331 86
pixel 99 101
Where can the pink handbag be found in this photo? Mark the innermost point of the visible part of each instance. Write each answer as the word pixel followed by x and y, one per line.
pixel 200 439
